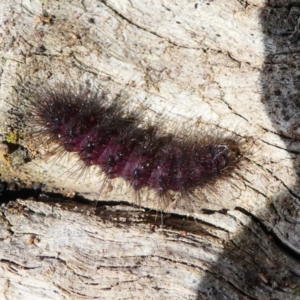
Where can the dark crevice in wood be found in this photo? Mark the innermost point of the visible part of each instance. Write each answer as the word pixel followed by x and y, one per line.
pixel 293 252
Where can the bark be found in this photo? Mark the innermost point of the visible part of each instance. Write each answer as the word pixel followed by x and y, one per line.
pixel 230 65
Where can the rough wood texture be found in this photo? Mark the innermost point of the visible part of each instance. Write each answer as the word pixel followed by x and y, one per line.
pixel 231 64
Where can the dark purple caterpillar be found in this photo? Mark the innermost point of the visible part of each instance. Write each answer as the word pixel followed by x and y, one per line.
pixel 102 134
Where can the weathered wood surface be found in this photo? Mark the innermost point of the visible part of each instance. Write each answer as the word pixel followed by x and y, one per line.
pixel 233 64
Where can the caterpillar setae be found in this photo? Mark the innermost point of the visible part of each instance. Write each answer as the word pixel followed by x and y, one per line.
pixel 103 134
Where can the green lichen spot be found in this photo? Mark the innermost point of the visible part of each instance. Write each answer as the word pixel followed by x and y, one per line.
pixel 12 137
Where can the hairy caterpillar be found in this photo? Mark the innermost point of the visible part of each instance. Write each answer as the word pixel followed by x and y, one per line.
pixel 103 134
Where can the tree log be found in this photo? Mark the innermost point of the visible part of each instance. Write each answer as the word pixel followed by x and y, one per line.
pixel 222 65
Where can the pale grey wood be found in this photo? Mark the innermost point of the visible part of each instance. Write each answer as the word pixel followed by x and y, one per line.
pixel 222 65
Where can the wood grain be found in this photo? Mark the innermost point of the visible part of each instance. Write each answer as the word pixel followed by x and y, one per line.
pixel 230 65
